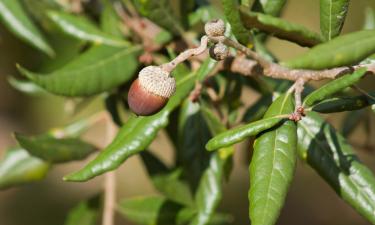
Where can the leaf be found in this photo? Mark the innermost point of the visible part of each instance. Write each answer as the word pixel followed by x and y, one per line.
pixel 154 210
pixel 111 106
pixel 332 17
pixel 18 22
pixel 344 50
pixel 333 87
pixel 18 167
pixel 167 181
pixel 240 133
pixel 26 87
pixel 233 17
pixel 351 121
pixel 344 104
pixel 85 213
pixel 83 29
pixel 55 150
pixel 270 7
pixel 272 165
pixel 256 111
pixel 279 28
pixel 89 73
pixel 333 158
pixel 109 20
pixel 369 23
pixel 209 191
pixel 161 13
pixel 134 136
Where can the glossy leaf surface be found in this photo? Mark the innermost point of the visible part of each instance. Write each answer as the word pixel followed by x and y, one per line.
pixel 98 69
pixel 19 167
pixel 272 165
pixel 332 17
pixel 333 158
pixel 16 19
pixel 279 28
pixel 344 50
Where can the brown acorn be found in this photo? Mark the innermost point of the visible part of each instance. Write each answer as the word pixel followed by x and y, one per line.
pixel 215 28
pixel 150 92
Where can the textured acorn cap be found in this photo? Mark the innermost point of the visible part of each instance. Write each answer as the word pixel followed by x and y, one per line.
pixel 219 51
pixel 215 28
pixel 157 81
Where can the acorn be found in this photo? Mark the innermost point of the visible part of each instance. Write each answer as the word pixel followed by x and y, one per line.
pixel 215 28
pixel 219 51
pixel 150 92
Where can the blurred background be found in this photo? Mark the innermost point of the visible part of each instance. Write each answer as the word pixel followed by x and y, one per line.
pixel 310 200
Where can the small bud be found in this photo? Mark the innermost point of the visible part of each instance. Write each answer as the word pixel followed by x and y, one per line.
pixel 150 92
pixel 219 51
pixel 215 28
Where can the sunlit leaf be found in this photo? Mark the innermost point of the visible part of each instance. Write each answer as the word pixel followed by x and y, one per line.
pixel 332 17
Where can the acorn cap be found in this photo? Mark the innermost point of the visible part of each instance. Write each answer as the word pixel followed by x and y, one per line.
pixel 215 28
pixel 157 81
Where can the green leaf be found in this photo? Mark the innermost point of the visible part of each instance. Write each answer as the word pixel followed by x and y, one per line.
pixel 333 87
pixel 344 50
pixel 109 20
pixel 344 104
pixel 26 87
pixel 134 136
pixel 256 111
pixel 332 17
pixel 85 213
pixel 55 150
pixel 272 166
pixel 161 13
pixel 270 7
pixel 209 191
pixel 83 29
pixel 240 133
pixel 154 210
pixel 18 167
pixel 166 181
pixel 351 121
pixel 369 23
pixel 18 22
pixel 333 158
pixel 279 28
pixel 233 17
pixel 89 73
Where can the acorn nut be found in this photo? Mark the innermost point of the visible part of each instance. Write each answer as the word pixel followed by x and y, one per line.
pixel 219 51
pixel 150 92
pixel 215 28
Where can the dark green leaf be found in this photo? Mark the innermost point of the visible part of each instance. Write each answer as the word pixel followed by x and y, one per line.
pixel 351 121
pixel 18 167
pixel 272 166
pixel 55 150
pixel 111 106
pixel 344 104
pixel 333 87
pixel 83 29
pixel 271 7
pixel 99 69
pixel 85 213
pixel 17 21
pixel 240 133
pixel 154 210
pixel 344 50
pixel 256 111
pixel 279 28
pixel 161 13
pixel 134 136
pixel 332 17
pixel 233 17
pixel 333 158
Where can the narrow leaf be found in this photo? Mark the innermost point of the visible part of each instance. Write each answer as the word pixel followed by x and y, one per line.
pixel 240 133
pixel 83 29
pixel 270 7
pixel 98 69
pixel 26 87
pixel 279 28
pixel 55 150
pixel 333 87
pixel 332 17
pixel 19 167
pixel 85 213
pixel 17 21
pixel 272 166
pixel 344 50
pixel 133 137
pixel 333 158
pixel 233 17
